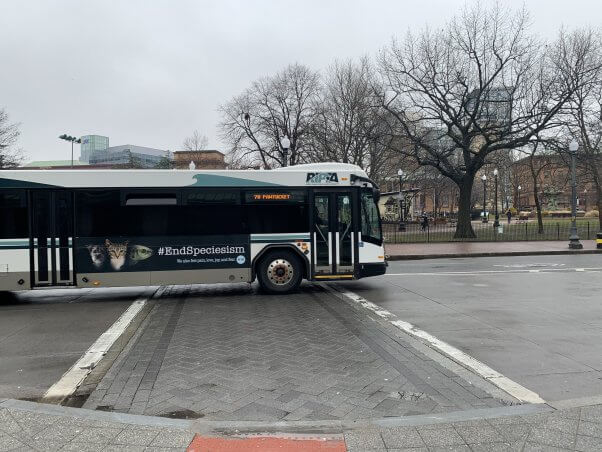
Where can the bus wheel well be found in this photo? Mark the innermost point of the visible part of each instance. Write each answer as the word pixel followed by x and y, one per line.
pixel 288 247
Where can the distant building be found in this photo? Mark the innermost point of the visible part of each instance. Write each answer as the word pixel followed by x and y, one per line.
pixel 90 144
pixel 128 155
pixel 52 164
pixel 209 159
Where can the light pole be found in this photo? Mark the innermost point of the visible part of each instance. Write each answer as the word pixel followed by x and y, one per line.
pixel 484 179
pixel 402 219
pixel 496 223
pixel 73 140
pixel 518 200
pixel 286 144
pixel 574 242
pixel 585 200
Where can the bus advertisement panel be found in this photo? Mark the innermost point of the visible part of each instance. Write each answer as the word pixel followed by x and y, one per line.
pixel 134 254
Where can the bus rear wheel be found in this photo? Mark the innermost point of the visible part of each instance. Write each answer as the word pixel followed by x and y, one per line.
pixel 279 272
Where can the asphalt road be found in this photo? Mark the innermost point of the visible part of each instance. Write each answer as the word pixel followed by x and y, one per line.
pixel 45 334
pixel 537 320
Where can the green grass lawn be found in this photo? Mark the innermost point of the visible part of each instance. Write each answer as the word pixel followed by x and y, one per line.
pixel 554 229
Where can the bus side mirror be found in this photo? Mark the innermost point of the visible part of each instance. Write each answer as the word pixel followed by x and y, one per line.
pixel 376 195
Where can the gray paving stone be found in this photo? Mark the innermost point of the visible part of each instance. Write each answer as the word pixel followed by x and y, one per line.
pixel 440 437
pixel 97 435
pixel 135 437
pixel 363 440
pixel 83 447
pixel 590 428
pixel 549 437
pixel 588 443
pixel 477 434
pixel 402 437
pixel 172 438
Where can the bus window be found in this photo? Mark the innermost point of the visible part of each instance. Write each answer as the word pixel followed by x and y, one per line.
pixel 13 212
pixel 370 219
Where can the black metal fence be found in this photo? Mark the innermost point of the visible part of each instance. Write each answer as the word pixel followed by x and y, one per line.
pixel 485 232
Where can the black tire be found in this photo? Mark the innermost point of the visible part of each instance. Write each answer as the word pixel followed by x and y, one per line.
pixel 280 272
pixel 8 298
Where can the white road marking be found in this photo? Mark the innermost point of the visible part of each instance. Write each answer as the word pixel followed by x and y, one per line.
pixel 494 272
pixel 504 383
pixel 70 381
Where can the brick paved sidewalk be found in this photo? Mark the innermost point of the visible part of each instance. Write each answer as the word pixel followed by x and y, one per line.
pixel 34 426
pixel 401 251
pixel 229 354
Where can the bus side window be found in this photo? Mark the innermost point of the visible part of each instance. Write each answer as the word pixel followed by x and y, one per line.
pixel 13 212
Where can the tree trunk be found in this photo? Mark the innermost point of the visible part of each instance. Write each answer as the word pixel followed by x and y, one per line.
pixel 464 228
pixel 536 197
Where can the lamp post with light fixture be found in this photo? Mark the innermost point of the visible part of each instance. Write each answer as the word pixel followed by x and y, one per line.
pixel 73 140
pixel 402 219
pixel 286 144
pixel 574 242
pixel 518 199
pixel 484 179
pixel 496 223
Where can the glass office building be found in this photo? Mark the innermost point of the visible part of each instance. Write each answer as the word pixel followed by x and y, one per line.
pixel 127 154
pixel 90 144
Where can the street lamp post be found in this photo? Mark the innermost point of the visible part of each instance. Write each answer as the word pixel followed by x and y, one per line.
pixel 496 223
pixel 73 140
pixel 484 179
pixel 402 219
pixel 585 200
pixel 286 144
pixel 518 200
pixel 574 242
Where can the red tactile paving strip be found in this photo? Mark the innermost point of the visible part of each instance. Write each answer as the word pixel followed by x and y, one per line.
pixel 266 444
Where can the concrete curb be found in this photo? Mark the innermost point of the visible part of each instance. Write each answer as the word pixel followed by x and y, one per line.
pixel 405 257
pixel 241 427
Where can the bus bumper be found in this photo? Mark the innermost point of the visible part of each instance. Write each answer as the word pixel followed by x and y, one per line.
pixel 372 269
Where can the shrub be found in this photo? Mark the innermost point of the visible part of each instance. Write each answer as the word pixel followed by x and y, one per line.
pixel 591 214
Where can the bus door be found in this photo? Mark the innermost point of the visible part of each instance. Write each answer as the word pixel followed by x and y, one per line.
pixel 333 233
pixel 51 241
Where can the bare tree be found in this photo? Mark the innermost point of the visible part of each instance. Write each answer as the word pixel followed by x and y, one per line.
pixel 347 127
pixel 254 122
pixel 479 85
pixel 583 118
pixel 10 156
pixel 195 142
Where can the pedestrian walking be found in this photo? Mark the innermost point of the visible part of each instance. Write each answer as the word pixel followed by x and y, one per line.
pixel 509 213
pixel 425 222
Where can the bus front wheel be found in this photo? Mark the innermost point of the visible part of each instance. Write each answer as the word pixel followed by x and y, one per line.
pixel 279 272
pixel 8 298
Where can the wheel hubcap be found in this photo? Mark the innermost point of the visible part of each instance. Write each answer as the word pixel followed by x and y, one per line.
pixel 280 272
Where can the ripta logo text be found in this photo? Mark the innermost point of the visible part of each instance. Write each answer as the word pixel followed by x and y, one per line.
pixel 322 178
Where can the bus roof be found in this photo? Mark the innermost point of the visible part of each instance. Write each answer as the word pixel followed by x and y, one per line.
pixel 315 174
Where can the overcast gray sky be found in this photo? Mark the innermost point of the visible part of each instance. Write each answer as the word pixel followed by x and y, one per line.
pixel 150 72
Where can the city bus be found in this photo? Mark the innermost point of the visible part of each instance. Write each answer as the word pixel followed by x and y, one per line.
pixel 112 228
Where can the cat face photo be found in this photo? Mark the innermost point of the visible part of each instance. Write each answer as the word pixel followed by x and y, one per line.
pixel 97 255
pixel 117 253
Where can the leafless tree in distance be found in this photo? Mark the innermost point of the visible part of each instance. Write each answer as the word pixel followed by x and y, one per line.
pixel 479 85
pixel 583 115
pixel 254 122
pixel 347 127
pixel 195 142
pixel 10 156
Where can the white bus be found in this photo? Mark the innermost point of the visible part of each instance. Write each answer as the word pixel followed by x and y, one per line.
pixel 110 228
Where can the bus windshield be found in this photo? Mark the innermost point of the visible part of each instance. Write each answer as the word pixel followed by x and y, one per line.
pixel 370 219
